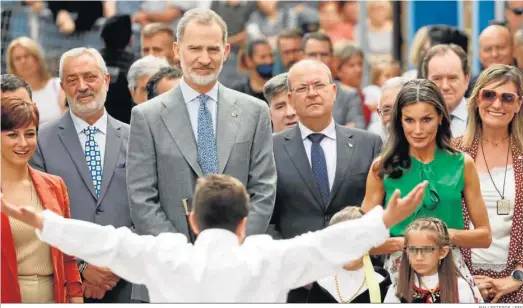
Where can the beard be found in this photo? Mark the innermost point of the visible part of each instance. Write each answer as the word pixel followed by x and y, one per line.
pixel 87 109
pixel 201 80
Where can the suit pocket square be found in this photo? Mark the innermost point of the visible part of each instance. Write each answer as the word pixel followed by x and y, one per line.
pixel 121 165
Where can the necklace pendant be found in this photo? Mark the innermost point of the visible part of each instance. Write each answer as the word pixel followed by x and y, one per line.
pixel 503 207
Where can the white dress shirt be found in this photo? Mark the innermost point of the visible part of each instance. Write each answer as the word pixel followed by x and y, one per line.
pixel 460 115
pixel 190 95
pixel 328 144
pixel 217 268
pixel 101 132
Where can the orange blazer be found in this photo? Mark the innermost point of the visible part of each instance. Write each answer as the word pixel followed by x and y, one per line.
pixel 67 282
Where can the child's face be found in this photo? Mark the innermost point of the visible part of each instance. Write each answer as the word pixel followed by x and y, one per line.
pixel 424 253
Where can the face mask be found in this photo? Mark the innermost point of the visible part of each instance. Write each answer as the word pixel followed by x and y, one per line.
pixel 264 70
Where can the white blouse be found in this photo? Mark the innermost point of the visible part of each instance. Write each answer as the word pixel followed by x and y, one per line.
pixel 48 101
pixel 495 257
pixel 465 294
pixel 348 282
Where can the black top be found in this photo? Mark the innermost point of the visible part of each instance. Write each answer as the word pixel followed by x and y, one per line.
pixel 244 86
pixel 318 294
pixel 119 101
pixel 86 12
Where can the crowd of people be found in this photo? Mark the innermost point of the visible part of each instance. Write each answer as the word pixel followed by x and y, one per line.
pixel 156 180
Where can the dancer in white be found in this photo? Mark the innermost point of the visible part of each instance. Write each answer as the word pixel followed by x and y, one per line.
pixel 220 266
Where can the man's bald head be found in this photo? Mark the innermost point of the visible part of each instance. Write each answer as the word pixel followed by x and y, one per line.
pixel 495 46
pixel 308 65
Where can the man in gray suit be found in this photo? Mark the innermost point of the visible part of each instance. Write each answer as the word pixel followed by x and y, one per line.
pixel 87 148
pixel 347 108
pixel 322 166
pixel 198 128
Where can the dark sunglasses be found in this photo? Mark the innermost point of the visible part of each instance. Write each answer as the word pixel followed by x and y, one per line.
pixel 517 11
pixel 490 96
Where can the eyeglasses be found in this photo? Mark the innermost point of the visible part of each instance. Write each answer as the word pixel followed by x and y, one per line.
pixel 424 251
pixel 490 96
pixel 305 88
pixel 384 111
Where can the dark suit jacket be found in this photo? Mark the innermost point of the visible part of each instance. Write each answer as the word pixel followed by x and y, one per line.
pixel 53 194
pixel 299 207
pixel 59 152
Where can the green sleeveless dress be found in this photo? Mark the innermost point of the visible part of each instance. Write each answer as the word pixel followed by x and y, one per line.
pixel 443 195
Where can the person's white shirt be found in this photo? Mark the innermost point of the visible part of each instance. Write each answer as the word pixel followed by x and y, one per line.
pixel 377 128
pixel 101 132
pixel 193 104
pixel 465 294
pixel 459 117
pixel 217 268
pixel 328 144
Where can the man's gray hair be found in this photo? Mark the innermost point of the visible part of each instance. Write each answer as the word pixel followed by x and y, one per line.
pixel 394 82
pixel 76 52
pixel 147 65
pixel 201 16
pixel 275 85
pixel 308 62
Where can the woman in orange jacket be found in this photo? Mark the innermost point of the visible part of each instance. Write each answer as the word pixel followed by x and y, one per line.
pixel 31 270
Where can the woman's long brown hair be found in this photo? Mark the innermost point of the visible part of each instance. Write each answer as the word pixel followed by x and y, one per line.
pixel 447 273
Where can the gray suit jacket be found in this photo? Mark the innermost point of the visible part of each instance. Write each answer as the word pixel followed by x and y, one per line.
pixel 59 152
pixel 347 107
pixel 299 207
pixel 163 167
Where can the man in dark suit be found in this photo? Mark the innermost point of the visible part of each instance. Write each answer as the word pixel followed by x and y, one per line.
pixel 87 148
pixel 321 166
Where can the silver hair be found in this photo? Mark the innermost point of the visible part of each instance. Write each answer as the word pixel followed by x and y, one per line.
pixel 76 52
pixel 394 82
pixel 201 16
pixel 307 62
pixel 147 65
pixel 275 85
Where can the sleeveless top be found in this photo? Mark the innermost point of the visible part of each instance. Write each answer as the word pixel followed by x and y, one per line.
pixel 443 195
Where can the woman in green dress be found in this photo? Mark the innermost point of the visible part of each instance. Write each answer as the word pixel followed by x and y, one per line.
pixel 419 149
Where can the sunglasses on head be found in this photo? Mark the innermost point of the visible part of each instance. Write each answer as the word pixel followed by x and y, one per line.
pixel 505 97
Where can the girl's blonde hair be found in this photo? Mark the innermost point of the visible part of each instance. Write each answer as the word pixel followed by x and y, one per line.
pixel 497 74
pixel 381 66
pixel 446 271
pixel 34 49
pixel 418 45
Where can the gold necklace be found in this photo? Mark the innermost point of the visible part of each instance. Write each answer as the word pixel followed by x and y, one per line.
pixel 353 296
pixel 495 144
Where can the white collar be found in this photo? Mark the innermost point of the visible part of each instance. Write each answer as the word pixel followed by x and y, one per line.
pixel 329 131
pixel 461 111
pixel 189 93
pixel 217 236
pixel 80 125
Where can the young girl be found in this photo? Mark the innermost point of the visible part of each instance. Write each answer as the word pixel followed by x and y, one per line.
pixel 357 282
pixel 382 71
pixel 427 273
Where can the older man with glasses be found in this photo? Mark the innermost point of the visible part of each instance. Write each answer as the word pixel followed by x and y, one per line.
pixel 389 92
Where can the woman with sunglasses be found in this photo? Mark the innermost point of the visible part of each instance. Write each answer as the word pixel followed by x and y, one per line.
pixel 419 149
pixel 494 139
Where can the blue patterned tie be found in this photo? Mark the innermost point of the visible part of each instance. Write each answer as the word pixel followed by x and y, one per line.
pixel 93 158
pixel 207 155
pixel 319 165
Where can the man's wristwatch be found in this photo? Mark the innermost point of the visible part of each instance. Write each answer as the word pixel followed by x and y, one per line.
pixel 517 275
pixel 81 268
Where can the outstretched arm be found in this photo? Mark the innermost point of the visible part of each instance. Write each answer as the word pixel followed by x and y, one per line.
pixel 125 253
pixel 319 254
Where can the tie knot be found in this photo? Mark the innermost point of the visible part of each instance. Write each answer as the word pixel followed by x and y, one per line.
pixel 90 130
pixel 316 137
pixel 203 98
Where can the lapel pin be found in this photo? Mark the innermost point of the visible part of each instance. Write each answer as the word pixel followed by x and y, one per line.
pixel 234 114
pixel 350 145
